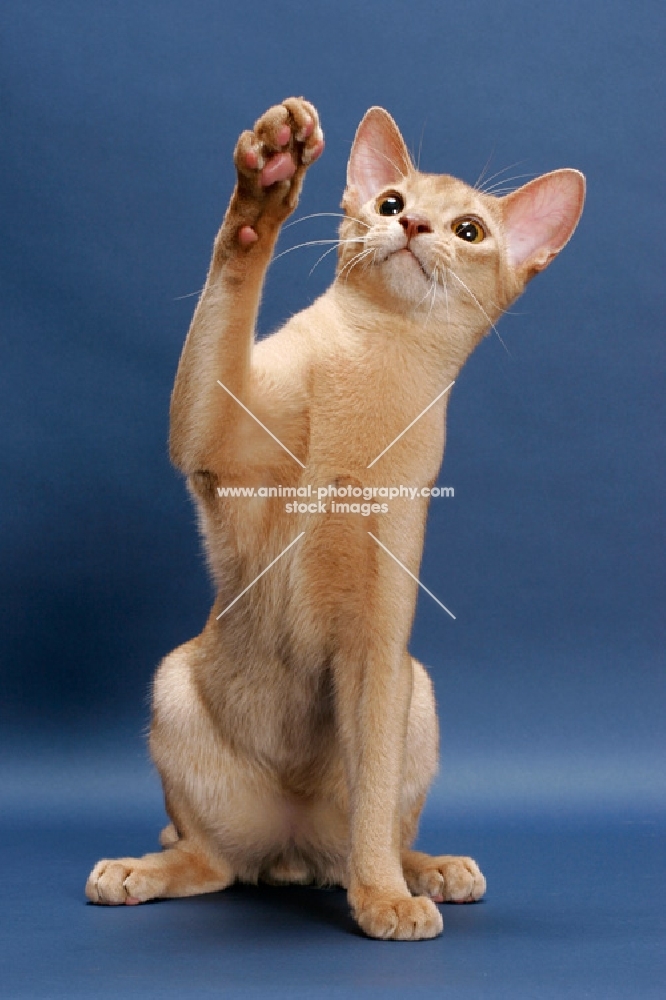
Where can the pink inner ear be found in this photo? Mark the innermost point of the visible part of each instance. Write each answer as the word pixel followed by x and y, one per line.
pixel 379 156
pixel 541 216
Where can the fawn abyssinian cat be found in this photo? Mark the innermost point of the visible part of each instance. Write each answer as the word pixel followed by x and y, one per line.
pixel 296 737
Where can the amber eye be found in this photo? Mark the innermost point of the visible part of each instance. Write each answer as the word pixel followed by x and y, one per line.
pixel 469 230
pixel 392 204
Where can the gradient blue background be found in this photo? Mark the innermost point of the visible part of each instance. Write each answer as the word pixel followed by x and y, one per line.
pixel 118 124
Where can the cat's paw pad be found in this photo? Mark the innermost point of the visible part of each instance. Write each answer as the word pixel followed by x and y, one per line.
pixel 447 879
pixel 272 158
pixel 122 881
pixel 398 918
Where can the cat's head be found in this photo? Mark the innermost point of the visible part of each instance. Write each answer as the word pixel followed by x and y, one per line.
pixel 431 243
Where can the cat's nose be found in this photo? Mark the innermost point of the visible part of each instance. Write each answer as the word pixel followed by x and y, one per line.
pixel 413 225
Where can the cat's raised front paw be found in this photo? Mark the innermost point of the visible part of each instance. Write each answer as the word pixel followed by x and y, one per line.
pixel 272 158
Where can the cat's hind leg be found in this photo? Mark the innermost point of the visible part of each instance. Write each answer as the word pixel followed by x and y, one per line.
pixel 220 828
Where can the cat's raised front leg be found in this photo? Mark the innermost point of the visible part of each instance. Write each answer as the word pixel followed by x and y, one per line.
pixel 270 161
pixel 445 879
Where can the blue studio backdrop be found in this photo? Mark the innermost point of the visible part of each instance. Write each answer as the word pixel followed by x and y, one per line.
pixel 118 125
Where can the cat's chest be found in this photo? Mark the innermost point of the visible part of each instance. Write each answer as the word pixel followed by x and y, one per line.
pixel 374 420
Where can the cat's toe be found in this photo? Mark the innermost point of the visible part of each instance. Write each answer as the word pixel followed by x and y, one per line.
pixel 304 122
pixel 462 879
pixel 294 120
pixel 445 879
pixel 105 883
pixel 287 137
pixel 397 918
pixel 249 156
pixel 123 881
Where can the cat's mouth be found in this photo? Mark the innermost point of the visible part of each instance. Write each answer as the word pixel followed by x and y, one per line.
pixel 410 253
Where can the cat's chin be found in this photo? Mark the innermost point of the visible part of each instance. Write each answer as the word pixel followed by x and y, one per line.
pixel 405 276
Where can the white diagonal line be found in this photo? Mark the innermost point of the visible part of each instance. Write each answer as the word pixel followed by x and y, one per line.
pixel 251 414
pixel 415 578
pixel 259 577
pixel 407 428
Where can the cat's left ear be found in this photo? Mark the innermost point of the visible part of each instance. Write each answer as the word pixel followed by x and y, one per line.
pixel 378 158
pixel 539 219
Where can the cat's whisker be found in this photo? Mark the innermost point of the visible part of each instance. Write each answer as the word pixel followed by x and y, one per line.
pixel 418 155
pixel 504 182
pixel 356 259
pixel 428 291
pixel 349 267
pixel 446 295
pixel 500 192
pixel 345 266
pixel 479 179
pixel 188 295
pixel 310 243
pixel 433 289
pixel 330 250
pixel 316 243
pixel 498 173
pixel 332 215
pixel 476 301
pixel 359 259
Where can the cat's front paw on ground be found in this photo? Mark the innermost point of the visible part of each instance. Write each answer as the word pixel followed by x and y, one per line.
pixel 272 158
pixel 397 918
pixel 445 879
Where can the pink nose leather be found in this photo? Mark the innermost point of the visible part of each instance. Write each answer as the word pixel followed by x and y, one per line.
pixel 414 225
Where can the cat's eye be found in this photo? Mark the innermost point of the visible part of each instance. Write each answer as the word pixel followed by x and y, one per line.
pixel 469 230
pixel 392 204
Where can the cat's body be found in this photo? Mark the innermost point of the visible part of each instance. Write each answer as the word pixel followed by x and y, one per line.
pixel 296 737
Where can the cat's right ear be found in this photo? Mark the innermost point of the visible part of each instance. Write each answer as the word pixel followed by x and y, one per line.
pixel 378 158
